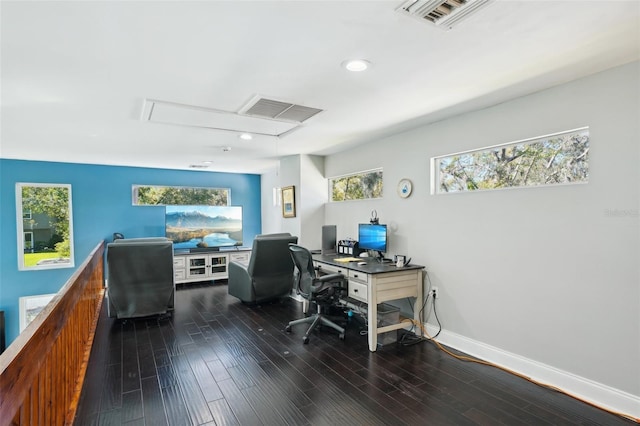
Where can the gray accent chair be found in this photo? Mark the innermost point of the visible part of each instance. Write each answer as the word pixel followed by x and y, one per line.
pixel 269 273
pixel 140 277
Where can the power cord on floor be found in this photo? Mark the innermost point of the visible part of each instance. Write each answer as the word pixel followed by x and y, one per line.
pixel 408 340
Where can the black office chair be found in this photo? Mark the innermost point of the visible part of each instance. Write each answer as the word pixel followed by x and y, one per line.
pixel 323 290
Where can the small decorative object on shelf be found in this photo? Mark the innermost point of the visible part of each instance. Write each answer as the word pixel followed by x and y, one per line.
pixel 404 188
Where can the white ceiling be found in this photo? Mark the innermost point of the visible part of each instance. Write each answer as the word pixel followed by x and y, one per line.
pixel 75 74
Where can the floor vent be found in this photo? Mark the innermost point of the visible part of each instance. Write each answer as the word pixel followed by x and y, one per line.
pixel 442 13
pixel 278 110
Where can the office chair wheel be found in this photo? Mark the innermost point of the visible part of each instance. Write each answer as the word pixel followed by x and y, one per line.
pixel 305 340
pixel 341 336
pixel 288 329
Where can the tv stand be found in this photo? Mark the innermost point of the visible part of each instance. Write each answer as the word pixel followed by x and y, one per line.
pixel 205 266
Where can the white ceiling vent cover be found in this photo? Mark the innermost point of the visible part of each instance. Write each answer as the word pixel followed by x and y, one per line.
pixel 443 13
pixel 278 110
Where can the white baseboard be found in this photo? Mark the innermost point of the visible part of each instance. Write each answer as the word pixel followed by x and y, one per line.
pixel 601 395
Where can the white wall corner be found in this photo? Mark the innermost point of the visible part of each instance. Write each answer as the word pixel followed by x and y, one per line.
pixel 596 393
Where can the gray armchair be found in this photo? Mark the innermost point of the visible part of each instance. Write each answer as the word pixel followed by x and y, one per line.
pixel 269 273
pixel 140 277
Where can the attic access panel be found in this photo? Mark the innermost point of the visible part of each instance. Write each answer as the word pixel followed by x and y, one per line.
pixel 156 111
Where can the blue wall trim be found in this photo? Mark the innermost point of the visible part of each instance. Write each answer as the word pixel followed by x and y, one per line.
pixel 101 206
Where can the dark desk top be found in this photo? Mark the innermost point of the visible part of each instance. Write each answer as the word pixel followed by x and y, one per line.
pixel 373 266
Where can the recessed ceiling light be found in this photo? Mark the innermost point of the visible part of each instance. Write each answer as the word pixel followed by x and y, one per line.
pixel 246 136
pixel 207 162
pixel 356 65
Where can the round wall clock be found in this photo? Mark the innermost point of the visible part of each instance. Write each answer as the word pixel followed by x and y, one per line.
pixel 404 188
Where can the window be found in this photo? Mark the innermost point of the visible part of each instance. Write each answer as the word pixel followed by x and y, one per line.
pixel 150 195
pixel 561 158
pixel 28 240
pixel 45 235
pixel 358 186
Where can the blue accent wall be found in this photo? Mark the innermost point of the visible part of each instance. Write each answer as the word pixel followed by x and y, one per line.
pixel 101 197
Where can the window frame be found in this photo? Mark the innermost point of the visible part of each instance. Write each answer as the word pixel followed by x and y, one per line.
pixel 436 161
pixel 22 264
pixel 28 240
pixel 135 187
pixel 330 186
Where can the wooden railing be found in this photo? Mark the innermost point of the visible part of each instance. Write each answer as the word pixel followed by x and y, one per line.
pixel 42 371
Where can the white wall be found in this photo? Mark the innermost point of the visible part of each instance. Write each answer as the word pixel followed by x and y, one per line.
pixel 549 275
pixel 286 174
pixel 271 214
pixel 313 197
pixel 290 176
pixel 306 173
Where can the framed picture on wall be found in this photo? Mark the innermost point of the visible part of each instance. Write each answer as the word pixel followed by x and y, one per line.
pixel 289 201
pixel 30 307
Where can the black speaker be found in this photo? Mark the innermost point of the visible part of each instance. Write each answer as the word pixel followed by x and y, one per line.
pixel 329 239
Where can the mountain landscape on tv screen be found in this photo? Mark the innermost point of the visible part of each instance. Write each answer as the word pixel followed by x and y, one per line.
pixel 197 229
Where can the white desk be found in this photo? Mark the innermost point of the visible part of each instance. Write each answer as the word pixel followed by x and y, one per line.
pixel 375 283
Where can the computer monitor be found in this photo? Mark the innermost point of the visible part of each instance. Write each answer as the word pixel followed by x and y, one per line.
pixel 372 237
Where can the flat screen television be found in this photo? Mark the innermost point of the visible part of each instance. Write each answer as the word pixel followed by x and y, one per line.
pixel 372 237
pixel 202 228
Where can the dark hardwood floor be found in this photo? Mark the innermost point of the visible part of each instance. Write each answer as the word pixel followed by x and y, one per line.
pixel 216 361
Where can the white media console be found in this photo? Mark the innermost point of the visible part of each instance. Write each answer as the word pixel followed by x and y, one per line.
pixel 207 266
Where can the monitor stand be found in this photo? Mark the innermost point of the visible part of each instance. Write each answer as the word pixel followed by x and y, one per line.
pixel 379 256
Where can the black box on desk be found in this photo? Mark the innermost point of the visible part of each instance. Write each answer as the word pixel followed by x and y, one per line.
pixel 348 247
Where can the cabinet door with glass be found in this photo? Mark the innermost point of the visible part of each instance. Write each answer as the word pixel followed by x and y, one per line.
pixel 219 266
pixel 198 267
pixel 207 266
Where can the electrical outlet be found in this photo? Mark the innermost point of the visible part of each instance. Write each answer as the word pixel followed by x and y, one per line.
pixel 434 292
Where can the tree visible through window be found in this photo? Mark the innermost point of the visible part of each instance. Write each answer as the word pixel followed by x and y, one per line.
pixel 45 234
pixel 561 158
pixel 358 186
pixel 179 195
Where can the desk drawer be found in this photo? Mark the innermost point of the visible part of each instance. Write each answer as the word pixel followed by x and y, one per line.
pixel 324 269
pixel 359 277
pixel 240 257
pixel 358 290
pixel 179 275
pixel 178 262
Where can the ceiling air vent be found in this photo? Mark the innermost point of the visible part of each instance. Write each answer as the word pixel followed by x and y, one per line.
pixel 443 13
pixel 278 110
